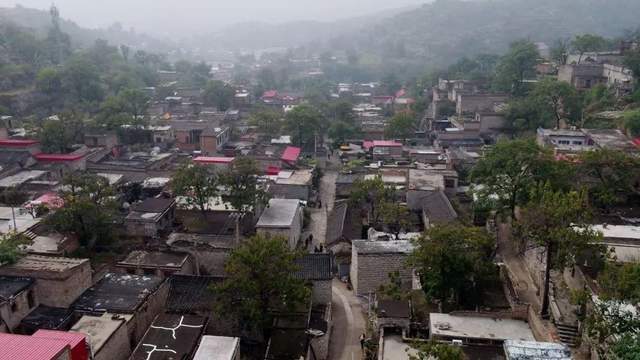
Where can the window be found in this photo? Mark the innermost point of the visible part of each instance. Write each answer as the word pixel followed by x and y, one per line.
pixel 577 142
pixel 564 142
pixel 149 272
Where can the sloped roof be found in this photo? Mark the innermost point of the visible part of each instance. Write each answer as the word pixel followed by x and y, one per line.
pixel 290 154
pixel 314 267
pixel 30 348
pixel 438 208
pixel 152 205
pixel 189 293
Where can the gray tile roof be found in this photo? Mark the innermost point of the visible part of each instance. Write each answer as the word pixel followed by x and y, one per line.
pixel 438 208
pixel 314 267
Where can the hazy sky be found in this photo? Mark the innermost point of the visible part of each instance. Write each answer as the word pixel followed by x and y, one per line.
pixel 162 16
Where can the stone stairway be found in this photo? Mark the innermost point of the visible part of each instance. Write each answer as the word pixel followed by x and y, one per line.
pixel 568 334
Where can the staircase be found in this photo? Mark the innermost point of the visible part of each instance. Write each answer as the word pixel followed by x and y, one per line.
pixel 568 334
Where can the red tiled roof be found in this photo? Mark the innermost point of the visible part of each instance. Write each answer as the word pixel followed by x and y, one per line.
pixel 290 154
pixel 58 157
pixel 17 142
pixel 273 170
pixel 270 94
pixel 401 93
pixel 386 143
pixel 24 347
pixel 213 160
pixel 75 340
pixel 367 144
pixel 636 141
pixel 50 199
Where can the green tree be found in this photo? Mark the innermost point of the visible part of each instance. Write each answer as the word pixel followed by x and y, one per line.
pixel 557 221
pixel 11 245
pixel 218 94
pixel 268 122
pixel 371 194
pixel 305 124
pixel 242 189
pixel 402 126
pixel 49 83
pixel 341 131
pixel 134 102
pixel 197 185
pixel 613 328
pixel 14 198
pixel 509 171
pixel 261 281
pixel 81 81
pixel 610 176
pixel 587 43
pixel 57 136
pixel 620 282
pixel 560 51
pixel 559 99
pixel 517 65
pixel 89 209
pixel 455 264
pixel 631 120
pixel 435 350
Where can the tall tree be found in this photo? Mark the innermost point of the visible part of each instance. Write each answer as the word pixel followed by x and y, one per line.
pixel 587 43
pixel 559 99
pixel 455 264
pixel 260 281
pixel 509 171
pixel 611 176
pixel 613 328
pixel 268 122
pixel 305 124
pixel 57 136
pixel 515 66
pixel 197 185
pixel 341 131
pixel 89 209
pixel 620 282
pixel 560 51
pixel 557 221
pixel 402 126
pixel 218 94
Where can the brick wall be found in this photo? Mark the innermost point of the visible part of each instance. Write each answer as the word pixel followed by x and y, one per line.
pixel 321 344
pixel 13 315
pixel 63 292
pixel 116 347
pixel 142 319
pixel 369 271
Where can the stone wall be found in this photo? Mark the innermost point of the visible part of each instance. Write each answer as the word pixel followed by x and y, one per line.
pixel 321 292
pixel 369 271
pixel 13 315
pixel 321 344
pixel 63 292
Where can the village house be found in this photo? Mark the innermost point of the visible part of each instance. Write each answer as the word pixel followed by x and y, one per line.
pixel 568 142
pixel 393 314
pixel 136 298
pixel 107 335
pixel 44 345
pixel 373 261
pixel 582 76
pixel 422 183
pixel 150 217
pixel 216 162
pixel 436 209
pixel 316 270
pixel 458 138
pixel 218 348
pixel 472 329
pixel 282 217
pixel 473 103
pixel 384 149
pixel 294 184
pixel 158 263
pixel 209 251
pixel 17 299
pixel 58 280
pixel 344 184
pixel 535 350
pixel 106 140
pixel 171 333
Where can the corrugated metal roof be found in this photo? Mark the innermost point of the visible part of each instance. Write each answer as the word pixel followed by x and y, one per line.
pixel 290 154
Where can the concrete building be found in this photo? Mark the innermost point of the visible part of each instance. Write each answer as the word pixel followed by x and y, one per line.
pixel 17 299
pixel 58 280
pixel 136 298
pixel 209 251
pixel 294 184
pixel 150 217
pixel 385 149
pixel 158 263
pixel 171 336
pixel 373 261
pixel 283 217
pixel 218 348
pixel 107 334
pixel 477 329
pixel 470 103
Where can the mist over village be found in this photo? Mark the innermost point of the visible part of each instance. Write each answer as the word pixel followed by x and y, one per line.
pixel 320 180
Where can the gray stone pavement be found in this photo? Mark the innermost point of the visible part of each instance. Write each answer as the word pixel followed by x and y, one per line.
pixel 318 223
pixel 348 324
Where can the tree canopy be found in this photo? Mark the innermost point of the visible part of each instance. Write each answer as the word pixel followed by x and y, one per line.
pixel 455 264
pixel 197 184
pixel 402 126
pixel 260 281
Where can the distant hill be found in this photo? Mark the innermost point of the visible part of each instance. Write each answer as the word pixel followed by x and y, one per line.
pixel 39 22
pixel 443 31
